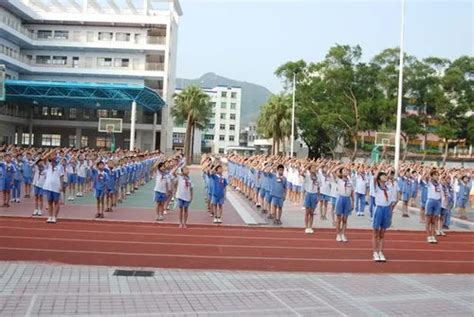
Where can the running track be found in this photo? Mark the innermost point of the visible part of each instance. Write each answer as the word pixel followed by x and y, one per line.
pixel 228 247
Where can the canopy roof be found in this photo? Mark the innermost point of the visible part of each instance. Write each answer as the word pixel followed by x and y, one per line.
pixel 82 95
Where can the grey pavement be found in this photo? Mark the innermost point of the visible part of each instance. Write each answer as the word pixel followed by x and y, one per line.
pixel 33 289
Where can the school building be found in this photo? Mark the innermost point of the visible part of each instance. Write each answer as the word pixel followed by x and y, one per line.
pixel 70 62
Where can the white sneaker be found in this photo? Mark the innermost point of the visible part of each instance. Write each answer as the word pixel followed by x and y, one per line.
pixel 35 212
pixel 165 212
pixel 216 220
pixel 343 237
pixel 338 238
pixel 306 230
pixel 18 200
pixel 442 233
pixel 310 230
pixel 428 239
pixel 72 198
pixel 382 257
pixel 39 213
pixel 219 220
pixel 376 257
pixel 50 220
pixel 53 219
pixel 433 240
pixel 438 233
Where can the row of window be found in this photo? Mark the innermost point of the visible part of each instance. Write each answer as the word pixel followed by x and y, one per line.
pixel 222 127
pixel 210 137
pixel 63 60
pixel 233 94
pixel 223 116
pixel 103 36
pixel 55 140
pixel 60 112
pixel 233 105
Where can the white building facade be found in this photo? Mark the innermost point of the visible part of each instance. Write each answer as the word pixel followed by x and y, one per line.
pixel 223 130
pixel 92 41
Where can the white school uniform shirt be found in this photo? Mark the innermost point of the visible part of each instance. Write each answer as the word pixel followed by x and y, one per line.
pixel 333 183
pixel 325 182
pixel 382 198
pixel 311 183
pixel 370 179
pixel 52 180
pixel 361 183
pixel 82 169
pixel 39 177
pixel 299 180
pixel 184 188
pixel 161 182
pixel 434 191
pixel 392 188
pixel 71 169
pixel 344 187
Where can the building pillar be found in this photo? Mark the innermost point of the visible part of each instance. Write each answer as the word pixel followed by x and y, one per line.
pixel 30 128
pixel 132 125
pixel 138 140
pixel 78 137
pixel 19 134
pixel 155 119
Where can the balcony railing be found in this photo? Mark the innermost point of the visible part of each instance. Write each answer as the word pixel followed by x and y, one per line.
pixel 156 40
pixel 155 66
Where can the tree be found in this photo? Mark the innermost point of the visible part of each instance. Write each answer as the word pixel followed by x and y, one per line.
pixel 410 129
pixel 192 107
pixel 274 120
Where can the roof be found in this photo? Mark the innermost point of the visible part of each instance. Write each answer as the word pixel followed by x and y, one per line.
pixel 83 95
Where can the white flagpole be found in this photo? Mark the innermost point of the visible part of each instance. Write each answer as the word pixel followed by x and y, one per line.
pixel 292 141
pixel 400 94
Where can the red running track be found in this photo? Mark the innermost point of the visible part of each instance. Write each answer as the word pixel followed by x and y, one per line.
pixel 228 247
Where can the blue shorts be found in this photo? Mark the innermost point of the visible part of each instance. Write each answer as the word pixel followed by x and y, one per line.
pixel 277 201
pixel 160 197
pixel 323 197
pixel 262 193
pixel 297 188
pixel 405 196
pixel 311 200
pixel 444 212
pixel 7 184
pixel 217 200
pixel 343 206
pixel 461 202
pixel 433 207
pixel 333 200
pixel 183 203
pixel 99 193
pixel 38 191
pixel 72 178
pixel 414 193
pixel 110 190
pixel 382 217
pixel 27 180
pixel 268 197
pixel 290 186
pixel 52 196
pixel 81 180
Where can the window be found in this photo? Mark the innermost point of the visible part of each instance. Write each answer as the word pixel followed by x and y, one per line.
pixel 232 127
pixel 222 115
pixel 114 114
pixel 122 62
pixel 102 142
pixel 221 151
pixel 45 34
pixel 25 139
pixel 232 116
pixel 233 95
pixel 138 37
pixel 43 59
pixel 102 113
pixel 51 139
pixel 61 35
pixel 222 127
pixel 231 138
pixel 44 111
pixel 72 113
pixel 221 137
pixel 223 105
pixel 123 37
pixel 72 141
pixel 208 137
pixel 233 105
pixel 75 61
pixel 84 141
pixel 56 112
pixel 104 61
pixel 210 126
pixel 213 104
pixel 223 94
pixel 59 60
pixel 105 36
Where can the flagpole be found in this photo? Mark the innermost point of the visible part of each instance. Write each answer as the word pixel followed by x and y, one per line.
pixel 400 93
pixel 293 118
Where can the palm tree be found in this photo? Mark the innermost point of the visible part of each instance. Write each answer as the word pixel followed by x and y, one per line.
pixel 193 107
pixel 274 120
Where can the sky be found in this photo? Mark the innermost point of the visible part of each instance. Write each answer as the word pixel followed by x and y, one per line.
pixel 248 39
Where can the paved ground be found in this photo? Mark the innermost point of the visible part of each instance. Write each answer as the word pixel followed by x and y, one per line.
pixel 34 289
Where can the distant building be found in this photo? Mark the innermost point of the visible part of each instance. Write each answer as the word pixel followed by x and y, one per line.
pixel 248 135
pixel 223 130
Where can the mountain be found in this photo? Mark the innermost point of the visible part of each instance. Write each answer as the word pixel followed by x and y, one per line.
pixel 253 95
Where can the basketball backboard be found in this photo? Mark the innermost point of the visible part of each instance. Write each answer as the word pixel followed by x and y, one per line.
pixel 385 139
pixel 110 125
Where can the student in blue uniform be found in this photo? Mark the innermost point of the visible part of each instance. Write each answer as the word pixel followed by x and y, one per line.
pixel 344 201
pixel 463 195
pixel 100 180
pixel 8 172
pixel 278 192
pixel 311 187
pixel 113 176
pixel 433 203
pixel 219 184
pixel 406 187
pixel 423 197
pixel 17 179
pixel 28 164
pixel 161 190
pixel 382 215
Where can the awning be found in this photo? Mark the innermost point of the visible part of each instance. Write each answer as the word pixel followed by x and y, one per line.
pixel 82 95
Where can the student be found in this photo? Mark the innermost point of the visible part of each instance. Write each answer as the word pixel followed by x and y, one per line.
pixel 17 179
pixel 53 185
pixel 71 171
pixel 62 197
pixel 382 218
pixel 278 193
pixel 433 204
pixel 39 177
pixel 463 195
pixel 447 201
pixel 28 164
pixel 311 188
pixel 100 180
pixel 325 191
pixel 184 194
pixel 424 196
pixel 162 188
pixel 8 171
pixel 333 197
pixel 112 179
pixel 344 203
pixel 219 184
pixel 360 191
pixel 81 176
pixel 406 187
